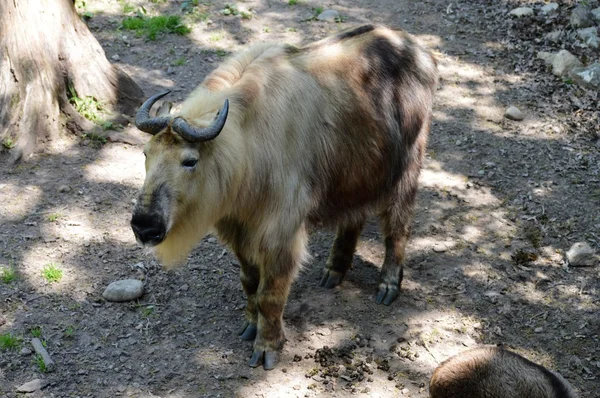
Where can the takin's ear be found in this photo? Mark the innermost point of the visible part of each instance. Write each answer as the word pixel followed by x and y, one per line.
pixel 164 109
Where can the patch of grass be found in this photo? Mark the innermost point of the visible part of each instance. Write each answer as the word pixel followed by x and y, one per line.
pixel 151 27
pixel 87 107
pixel 266 29
pixel 96 140
pixel 52 273
pixel 246 15
pixel 9 342
pixel 291 30
pixel 36 332
pixel 147 311
pixel 230 9
pixel 180 61
pixel 54 216
pixel 8 143
pixel 317 11
pixel 127 6
pixel 8 274
pixel 221 53
pixel 216 36
pixel 292 2
pixel 340 19
pixel 69 331
pixel 39 361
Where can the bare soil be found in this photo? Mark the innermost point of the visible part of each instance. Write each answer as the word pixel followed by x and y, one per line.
pixel 500 202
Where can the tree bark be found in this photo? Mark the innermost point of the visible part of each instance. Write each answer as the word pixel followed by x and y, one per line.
pixel 45 48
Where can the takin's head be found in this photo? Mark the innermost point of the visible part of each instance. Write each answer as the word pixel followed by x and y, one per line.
pixel 173 208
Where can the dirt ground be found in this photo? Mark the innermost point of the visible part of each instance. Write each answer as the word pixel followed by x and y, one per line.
pixel 500 202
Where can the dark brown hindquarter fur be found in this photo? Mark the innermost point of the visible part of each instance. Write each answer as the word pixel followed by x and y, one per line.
pixel 384 133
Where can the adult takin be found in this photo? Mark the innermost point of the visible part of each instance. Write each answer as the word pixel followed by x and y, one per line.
pixel 494 372
pixel 280 138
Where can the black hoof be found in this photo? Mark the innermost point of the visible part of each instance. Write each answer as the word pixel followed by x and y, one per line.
pixel 386 294
pixel 248 331
pixel 331 279
pixel 268 359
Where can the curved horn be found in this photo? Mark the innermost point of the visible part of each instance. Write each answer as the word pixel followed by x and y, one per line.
pixel 194 134
pixel 143 120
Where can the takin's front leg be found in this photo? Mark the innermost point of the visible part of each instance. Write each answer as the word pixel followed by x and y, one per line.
pixel 250 277
pixel 276 276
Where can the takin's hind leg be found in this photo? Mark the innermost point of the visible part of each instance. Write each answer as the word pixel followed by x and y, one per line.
pixel 396 229
pixel 250 277
pixel 340 258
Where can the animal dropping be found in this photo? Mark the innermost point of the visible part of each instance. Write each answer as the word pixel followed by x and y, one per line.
pixel 280 138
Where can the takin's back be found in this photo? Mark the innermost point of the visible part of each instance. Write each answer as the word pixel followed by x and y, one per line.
pixel 493 372
pixel 338 122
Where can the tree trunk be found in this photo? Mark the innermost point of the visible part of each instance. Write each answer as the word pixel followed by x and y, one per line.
pixel 45 48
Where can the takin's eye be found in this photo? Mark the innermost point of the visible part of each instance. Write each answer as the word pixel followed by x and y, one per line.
pixel 189 163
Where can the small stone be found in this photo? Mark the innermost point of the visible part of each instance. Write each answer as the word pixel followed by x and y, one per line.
pixel 324 332
pixel 521 12
pixel 115 57
pixel 124 290
pixel 25 351
pixel 588 76
pixel 548 8
pixel 564 62
pixel 64 189
pixel 596 14
pixel 297 387
pixel 581 255
pixel 538 329
pixel 589 36
pixel 405 391
pixel 170 71
pixel 582 17
pixel 440 248
pixel 328 16
pixel 513 113
pixel 32 386
pixel 555 35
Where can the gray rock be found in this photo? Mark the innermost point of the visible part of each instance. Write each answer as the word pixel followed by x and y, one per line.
pixel 588 76
pixel 328 15
pixel 25 351
pixel 64 189
pixel 115 57
pixel 589 36
pixel 581 255
pixel 547 57
pixel 582 17
pixel 513 113
pixel 32 386
pixel 521 12
pixel 564 62
pixel 170 71
pixel 596 14
pixel 555 35
pixel 548 8
pixel 124 290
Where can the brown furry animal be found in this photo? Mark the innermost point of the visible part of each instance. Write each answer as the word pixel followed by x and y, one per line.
pixel 324 134
pixel 493 372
